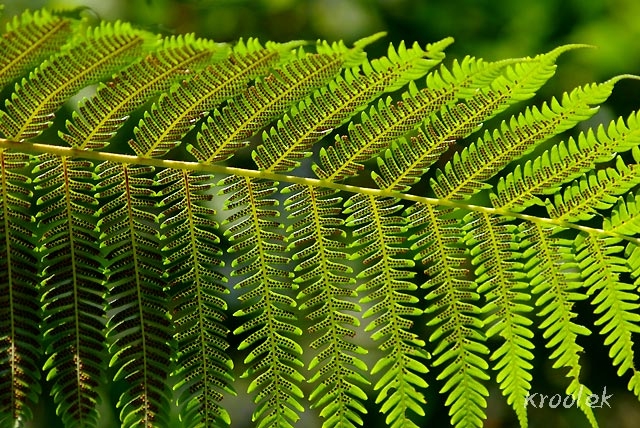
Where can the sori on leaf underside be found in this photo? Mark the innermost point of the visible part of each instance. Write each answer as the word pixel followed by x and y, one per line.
pixel 343 232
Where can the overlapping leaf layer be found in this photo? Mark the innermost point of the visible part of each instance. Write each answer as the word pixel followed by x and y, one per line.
pixel 406 250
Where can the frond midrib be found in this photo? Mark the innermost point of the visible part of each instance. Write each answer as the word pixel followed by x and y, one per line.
pixel 38 148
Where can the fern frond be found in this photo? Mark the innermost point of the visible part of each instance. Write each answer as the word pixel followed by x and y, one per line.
pixel 20 313
pixel 73 289
pixel 388 123
pixel 386 284
pixel 408 159
pixel 327 290
pixel 632 255
pixel 518 82
pixel 129 253
pixel 436 238
pixel 96 56
pixel 29 39
pixel 557 291
pixel 564 162
pixel 382 126
pixel 196 287
pixel 469 75
pixel 229 129
pixel 179 110
pixel 404 163
pixel 623 220
pixel 139 329
pixel 100 116
pixel 452 296
pixel 333 105
pixel 469 169
pixel 500 279
pixel 596 191
pixel 625 216
pixel 615 301
pixel 274 359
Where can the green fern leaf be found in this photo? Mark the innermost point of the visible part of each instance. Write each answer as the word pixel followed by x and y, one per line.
pixel 519 82
pixel 73 289
pixel 408 159
pixel 469 75
pixel 482 160
pixel 625 218
pixel 378 240
pixel 500 279
pixel 178 111
pixel 596 191
pixel 615 302
pixel 388 123
pixel 139 329
pixel 405 162
pixel 384 124
pixel 196 286
pixel 632 254
pixel 274 358
pixel 129 253
pixel 101 52
pixel 20 313
pixel 333 105
pixel 29 39
pixel 327 291
pixel 452 298
pixel 563 163
pixel 516 83
pixel 102 115
pixel 228 130
pixel 557 290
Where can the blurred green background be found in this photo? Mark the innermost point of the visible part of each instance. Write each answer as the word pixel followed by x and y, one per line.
pixel 492 29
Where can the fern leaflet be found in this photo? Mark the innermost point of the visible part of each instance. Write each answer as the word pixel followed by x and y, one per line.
pixel 557 291
pixel 100 116
pixel 193 261
pixel 33 104
pixel 274 359
pixel 20 313
pixel 29 39
pixel 139 329
pixel 179 110
pixel 73 290
pixel 328 292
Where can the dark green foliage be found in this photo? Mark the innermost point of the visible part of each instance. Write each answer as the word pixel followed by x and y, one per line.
pixel 20 312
